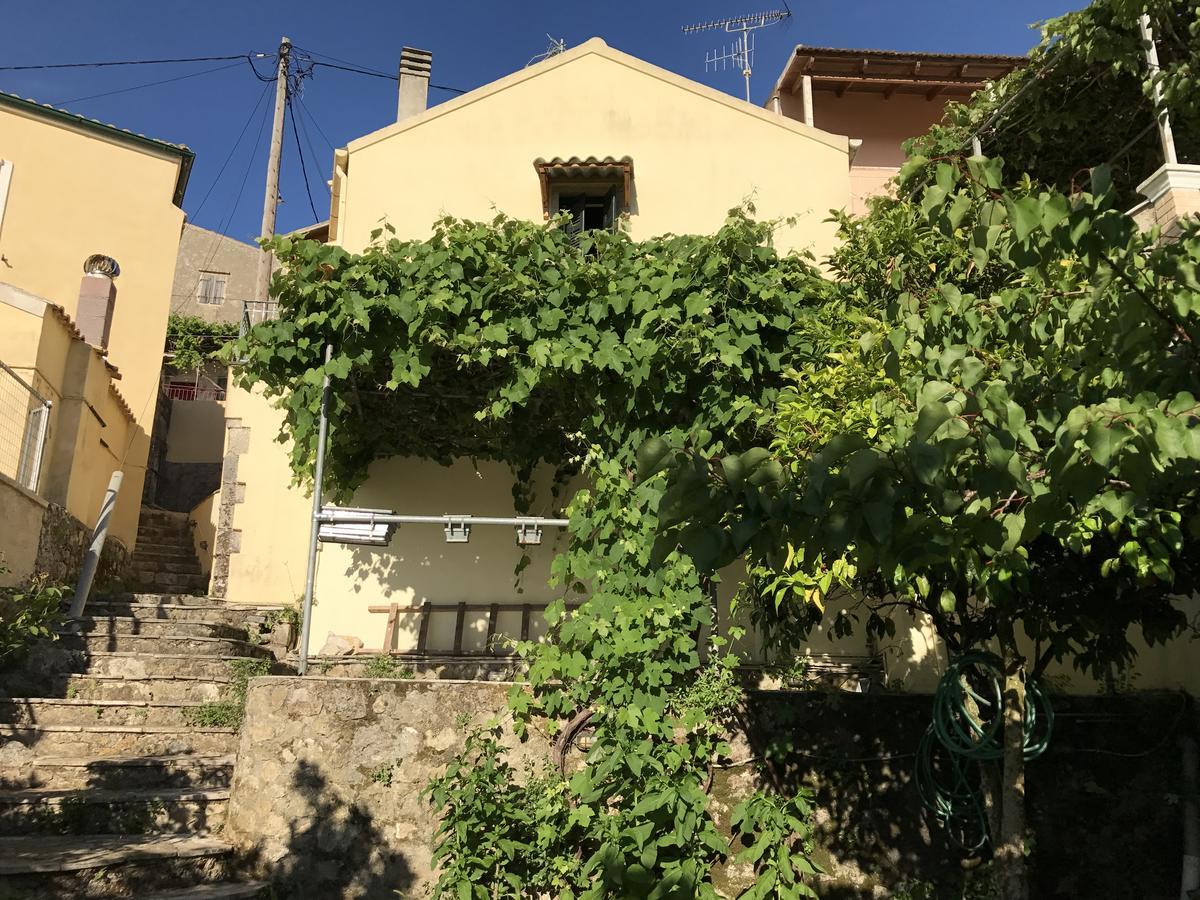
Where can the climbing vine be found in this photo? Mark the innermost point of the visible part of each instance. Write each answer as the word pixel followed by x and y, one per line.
pixel 1085 99
pixel 191 340
pixel 1009 444
pixel 507 341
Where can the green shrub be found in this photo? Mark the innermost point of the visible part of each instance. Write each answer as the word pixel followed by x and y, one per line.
pixel 387 667
pixel 229 711
pixel 28 614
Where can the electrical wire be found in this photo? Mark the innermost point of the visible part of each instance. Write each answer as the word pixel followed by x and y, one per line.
pixel 356 68
pixel 312 151
pixel 138 87
pixel 300 152
pixel 122 62
pixel 321 131
pixel 223 224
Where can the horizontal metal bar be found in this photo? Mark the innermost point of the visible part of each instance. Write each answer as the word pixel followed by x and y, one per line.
pixel 345 516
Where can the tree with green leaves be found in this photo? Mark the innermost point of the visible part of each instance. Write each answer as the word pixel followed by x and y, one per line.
pixel 1007 444
pixel 1086 98
pixel 509 341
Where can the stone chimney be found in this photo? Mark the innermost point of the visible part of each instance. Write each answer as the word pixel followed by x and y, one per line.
pixel 97 297
pixel 415 66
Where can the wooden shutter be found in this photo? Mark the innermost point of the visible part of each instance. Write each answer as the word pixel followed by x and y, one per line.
pixel 611 213
pixel 575 206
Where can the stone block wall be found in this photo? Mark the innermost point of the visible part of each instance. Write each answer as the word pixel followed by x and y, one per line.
pixel 310 810
pixel 62 544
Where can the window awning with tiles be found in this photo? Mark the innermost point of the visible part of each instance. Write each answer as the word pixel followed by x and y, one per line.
pixel 558 173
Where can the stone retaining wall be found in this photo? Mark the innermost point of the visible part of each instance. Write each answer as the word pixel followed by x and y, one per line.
pixel 311 809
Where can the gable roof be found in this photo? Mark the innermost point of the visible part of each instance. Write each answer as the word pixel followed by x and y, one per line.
pixel 597 47
pixel 113 132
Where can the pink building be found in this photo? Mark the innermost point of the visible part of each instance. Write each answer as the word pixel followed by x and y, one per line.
pixel 879 97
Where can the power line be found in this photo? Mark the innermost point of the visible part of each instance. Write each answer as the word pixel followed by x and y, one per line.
pixel 232 150
pixel 312 151
pixel 357 69
pixel 138 87
pixel 300 152
pixel 223 224
pixel 321 131
pixel 124 62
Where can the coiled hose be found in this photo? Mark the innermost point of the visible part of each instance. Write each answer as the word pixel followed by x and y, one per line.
pixel 967 731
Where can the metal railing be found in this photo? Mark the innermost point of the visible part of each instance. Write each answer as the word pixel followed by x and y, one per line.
pixel 182 391
pixel 24 429
pixel 256 311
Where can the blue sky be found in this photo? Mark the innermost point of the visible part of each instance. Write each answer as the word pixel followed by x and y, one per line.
pixel 472 43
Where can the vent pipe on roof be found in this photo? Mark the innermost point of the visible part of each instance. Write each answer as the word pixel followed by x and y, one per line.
pixel 415 66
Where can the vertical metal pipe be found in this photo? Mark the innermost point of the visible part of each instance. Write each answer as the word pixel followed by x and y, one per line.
pixel 1165 135
pixel 91 561
pixel 318 476
pixel 1191 817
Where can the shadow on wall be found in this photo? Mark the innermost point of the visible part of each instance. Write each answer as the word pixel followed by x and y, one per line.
pixel 336 845
pixel 1101 815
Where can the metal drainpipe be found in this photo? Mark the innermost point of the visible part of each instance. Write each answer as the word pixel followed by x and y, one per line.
pixel 1191 817
pixel 318 476
pixel 91 560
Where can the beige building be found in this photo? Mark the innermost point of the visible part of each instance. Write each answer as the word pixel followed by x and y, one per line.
pixel 214 275
pixel 879 99
pixel 75 190
pixel 672 154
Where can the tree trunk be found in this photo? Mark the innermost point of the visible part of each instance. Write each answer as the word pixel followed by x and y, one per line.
pixel 1010 841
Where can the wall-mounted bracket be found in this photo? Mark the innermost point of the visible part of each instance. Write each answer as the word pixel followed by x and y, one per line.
pixel 529 533
pixel 458 529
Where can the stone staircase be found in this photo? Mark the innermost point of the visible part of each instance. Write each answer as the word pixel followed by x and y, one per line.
pixel 111 783
pixel 164 558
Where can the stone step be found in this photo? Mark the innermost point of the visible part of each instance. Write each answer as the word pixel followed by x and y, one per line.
pixel 163 612
pixel 144 568
pixel 119 740
pixel 97 624
pixel 169 551
pixel 154 688
pixel 166 536
pixel 173 582
pixel 175 598
pixel 158 644
pixel 83 712
pixel 45 867
pixel 140 665
pixel 101 811
pixel 227 890
pixel 122 772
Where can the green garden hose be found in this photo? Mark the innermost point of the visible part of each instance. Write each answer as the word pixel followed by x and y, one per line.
pixel 967 728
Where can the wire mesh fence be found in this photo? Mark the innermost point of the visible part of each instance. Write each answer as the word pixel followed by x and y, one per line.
pixel 24 429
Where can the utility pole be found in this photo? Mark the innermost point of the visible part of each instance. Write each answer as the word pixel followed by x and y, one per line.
pixel 271 199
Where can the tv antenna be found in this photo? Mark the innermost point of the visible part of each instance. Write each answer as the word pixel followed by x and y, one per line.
pixel 554 48
pixel 740 54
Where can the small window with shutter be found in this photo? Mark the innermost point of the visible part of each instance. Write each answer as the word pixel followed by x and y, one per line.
pixel 210 289
pixel 595 192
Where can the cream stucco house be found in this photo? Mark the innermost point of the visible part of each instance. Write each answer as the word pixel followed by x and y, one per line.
pixel 83 338
pixel 600 133
pixel 590 127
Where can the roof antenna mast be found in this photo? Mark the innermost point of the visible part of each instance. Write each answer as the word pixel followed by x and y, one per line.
pixel 740 54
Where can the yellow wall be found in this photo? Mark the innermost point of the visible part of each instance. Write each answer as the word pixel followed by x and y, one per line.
pixel 696 153
pixel 76 192
pixel 21 512
pixel 204 529
pixel 89 428
pixel 272 520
